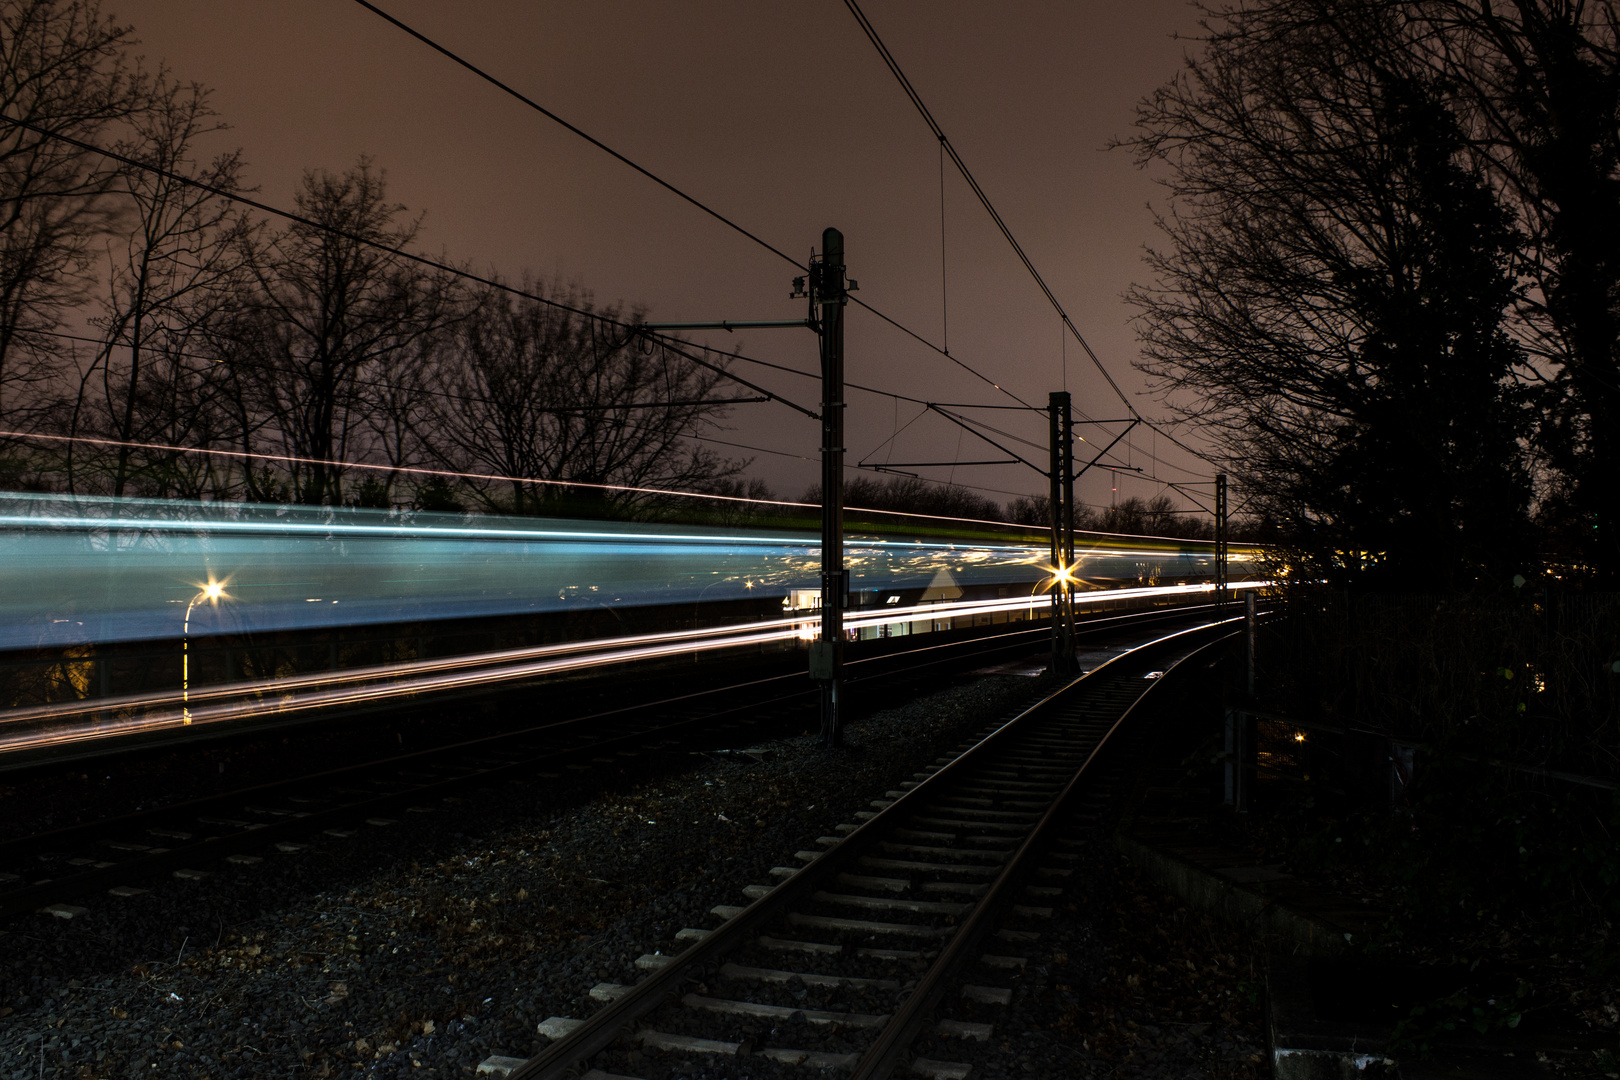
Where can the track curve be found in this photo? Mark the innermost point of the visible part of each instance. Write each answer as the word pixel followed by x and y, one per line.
pixel 879 924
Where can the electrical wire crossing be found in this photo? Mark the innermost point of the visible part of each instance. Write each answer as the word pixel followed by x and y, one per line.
pixel 673 344
pixel 403 253
pixel 989 207
pixel 666 185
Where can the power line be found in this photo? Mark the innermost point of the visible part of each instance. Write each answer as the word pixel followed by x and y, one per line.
pixel 666 341
pixel 479 399
pixel 382 384
pixel 237 197
pixel 897 432
pixel 943 483
pixel 630 488
pixel 863 468
pixel 368 241
pixel 599 144
pixel 984 200
pixel 966 405
pixel 461 272
pixel 755 449
pixel 666 185
pixel 998 431
pixel 909 332
pixel 963 425
pixel 930 480
pixel 294 459
pixel 929 406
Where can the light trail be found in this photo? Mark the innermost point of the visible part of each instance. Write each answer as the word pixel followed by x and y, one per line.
pixel 68 724
pixel 92 571
pixel 293 459
pixel 81 573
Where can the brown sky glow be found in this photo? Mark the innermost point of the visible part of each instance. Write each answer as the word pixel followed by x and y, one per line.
pixel 780 116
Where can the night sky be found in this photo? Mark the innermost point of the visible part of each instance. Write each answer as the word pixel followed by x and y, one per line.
pixel 780 116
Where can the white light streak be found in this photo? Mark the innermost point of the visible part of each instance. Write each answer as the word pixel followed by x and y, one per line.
pixel 66 724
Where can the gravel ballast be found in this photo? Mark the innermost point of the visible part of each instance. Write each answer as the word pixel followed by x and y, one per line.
pixel 422 947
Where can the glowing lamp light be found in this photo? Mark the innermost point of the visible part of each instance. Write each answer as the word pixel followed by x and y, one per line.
pixel 1061 575
pixel 212 591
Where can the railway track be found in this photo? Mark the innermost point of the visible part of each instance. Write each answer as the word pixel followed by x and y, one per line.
pixel 910 924
pixel 195 838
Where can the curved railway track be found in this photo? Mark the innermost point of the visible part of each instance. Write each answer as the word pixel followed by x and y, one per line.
pixel 850 957
pixel 191 839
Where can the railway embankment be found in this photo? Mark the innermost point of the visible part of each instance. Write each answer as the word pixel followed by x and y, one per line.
pixel 443 940
pixel 1420 913
pixel 427 946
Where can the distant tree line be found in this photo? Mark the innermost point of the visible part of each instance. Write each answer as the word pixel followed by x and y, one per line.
pixel 1389 283
pixel 139 312
pixel 1158 516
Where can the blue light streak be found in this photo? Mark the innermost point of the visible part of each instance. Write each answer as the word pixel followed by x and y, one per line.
pixel 79 570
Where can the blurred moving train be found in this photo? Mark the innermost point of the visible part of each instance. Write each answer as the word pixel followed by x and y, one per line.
pixel 146 617
pixel 89 570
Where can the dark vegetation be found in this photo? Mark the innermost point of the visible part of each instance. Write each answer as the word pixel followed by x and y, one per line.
pixel 1388 288
pixel 1458 771
pixel 1506 708
pixel 1158 516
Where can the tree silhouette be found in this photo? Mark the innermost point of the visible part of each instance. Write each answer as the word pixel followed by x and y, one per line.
pixel 1335 292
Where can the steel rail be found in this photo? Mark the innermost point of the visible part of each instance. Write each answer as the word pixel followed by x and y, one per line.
pixel 605 1026
pixel 883 1055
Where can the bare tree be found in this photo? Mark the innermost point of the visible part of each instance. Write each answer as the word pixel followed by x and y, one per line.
pixel 534 391
pixel 1336 292
pixel 168 277
pixel 1036 511
pixel 333 314
pixel 64 74
pixel 756 503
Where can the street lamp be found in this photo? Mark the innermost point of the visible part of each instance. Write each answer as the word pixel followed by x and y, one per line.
pixel 213 592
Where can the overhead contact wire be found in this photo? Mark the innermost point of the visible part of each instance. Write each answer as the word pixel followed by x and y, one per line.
pixel 598 143
pixel 666 185
pixel 411 256
pixel 984 200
